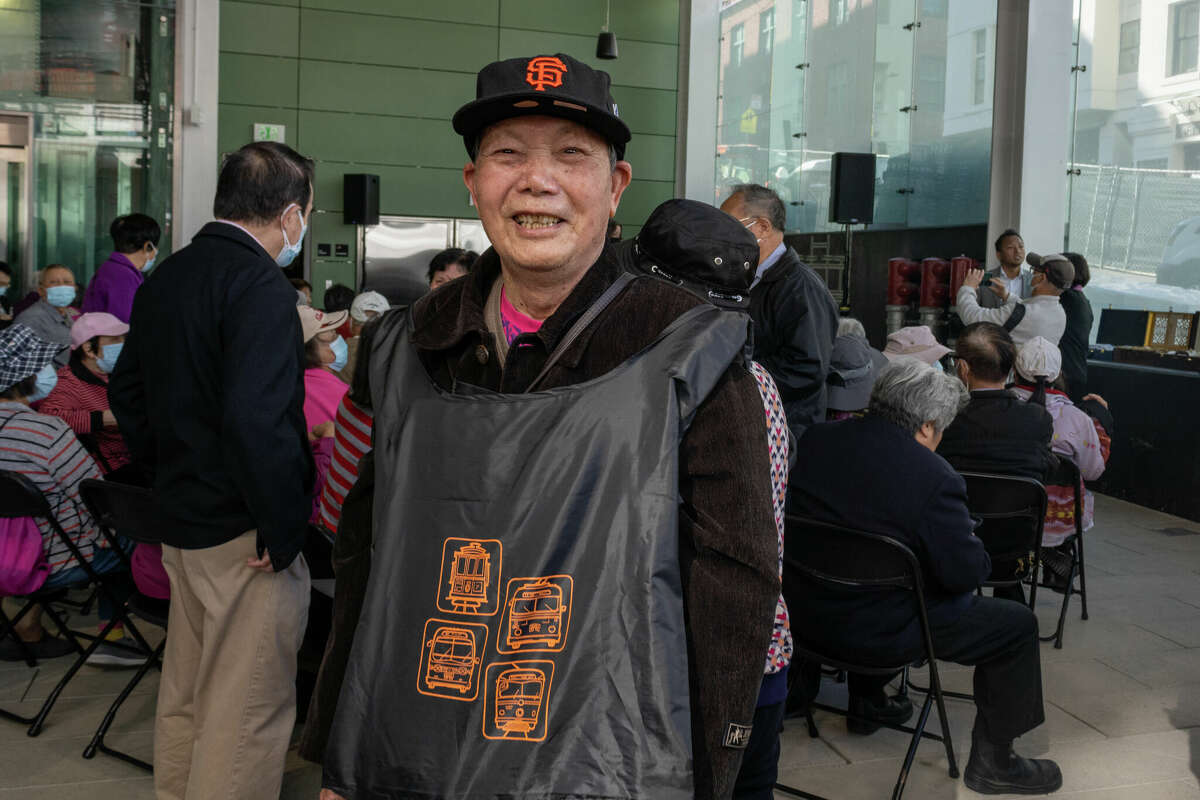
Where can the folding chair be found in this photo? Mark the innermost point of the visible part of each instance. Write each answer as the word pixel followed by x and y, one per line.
pixel 128 511
pixel 848 560
pixel 1067 474
pixel 1011 512
pixel 19 497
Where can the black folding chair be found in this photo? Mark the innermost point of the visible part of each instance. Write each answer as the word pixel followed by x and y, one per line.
pixel 128 511
pixel 848 560
pixel 19 497
pixel 1067 474
pixel 1010 513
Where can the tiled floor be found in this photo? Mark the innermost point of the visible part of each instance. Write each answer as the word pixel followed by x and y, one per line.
pixel 1122 699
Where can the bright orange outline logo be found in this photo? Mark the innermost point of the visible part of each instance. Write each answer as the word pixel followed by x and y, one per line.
pixel 451 659
pixel 470 577
pixel 545 71
pixel 537 615
pixel 516 702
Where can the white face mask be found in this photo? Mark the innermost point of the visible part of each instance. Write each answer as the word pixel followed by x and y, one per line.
pixel 753 221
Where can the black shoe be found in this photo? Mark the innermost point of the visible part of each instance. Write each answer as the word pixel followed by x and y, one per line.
pixel 1056 569
pixel 996 769
pixel 874 711
pixel 46 647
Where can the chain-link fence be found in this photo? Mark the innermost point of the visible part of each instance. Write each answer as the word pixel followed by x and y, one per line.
pixel 1121 217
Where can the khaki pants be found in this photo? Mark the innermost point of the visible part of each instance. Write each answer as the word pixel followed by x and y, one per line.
pixel 227 697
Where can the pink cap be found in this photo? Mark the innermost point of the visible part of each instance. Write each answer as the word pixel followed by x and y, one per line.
pixel 95 323
pixel 917 341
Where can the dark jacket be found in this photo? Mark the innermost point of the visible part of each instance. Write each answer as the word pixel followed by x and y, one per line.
pixel 998 432
pixel 727 543
pixel 1074 341
pixel 209 390
pixel 795 323
pixel 869 474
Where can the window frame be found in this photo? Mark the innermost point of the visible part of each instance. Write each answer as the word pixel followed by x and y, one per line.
pixel 1124 67
pixel 737 44
pixel 979 67
pixel 1175 54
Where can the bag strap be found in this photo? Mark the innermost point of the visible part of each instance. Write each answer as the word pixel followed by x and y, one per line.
pixel 1014 320
pixel 586 319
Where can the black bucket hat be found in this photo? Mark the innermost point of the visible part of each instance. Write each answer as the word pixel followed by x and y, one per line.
pixel 555 86
pixel 701 248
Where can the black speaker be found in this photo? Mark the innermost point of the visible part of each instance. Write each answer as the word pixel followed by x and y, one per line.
pixel 360 199
pixel 852 188
pixel 1123 328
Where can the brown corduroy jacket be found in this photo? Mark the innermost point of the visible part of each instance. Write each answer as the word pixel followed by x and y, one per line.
pixel 727 539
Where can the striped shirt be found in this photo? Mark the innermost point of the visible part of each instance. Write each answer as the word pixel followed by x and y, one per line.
pixel 45 450
pixel 351 441
pixel 80 398
pixel 779 653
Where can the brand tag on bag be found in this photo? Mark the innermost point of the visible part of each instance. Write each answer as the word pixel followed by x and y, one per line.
pixel 737 737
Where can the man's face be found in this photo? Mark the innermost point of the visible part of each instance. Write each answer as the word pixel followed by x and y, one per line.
pixel 1011 252
pixel 735 207
pixel 55 277
pixel 545 192
pixel 444 276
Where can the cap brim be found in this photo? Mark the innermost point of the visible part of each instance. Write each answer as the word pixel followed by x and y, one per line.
pixel 470 120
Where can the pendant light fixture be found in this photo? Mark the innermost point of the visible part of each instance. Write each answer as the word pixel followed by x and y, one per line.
pixel 606 45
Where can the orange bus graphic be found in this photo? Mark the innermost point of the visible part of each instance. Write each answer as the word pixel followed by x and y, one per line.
pixel 470 573
pixel 452 660
pixel 536 614
pixel 519 694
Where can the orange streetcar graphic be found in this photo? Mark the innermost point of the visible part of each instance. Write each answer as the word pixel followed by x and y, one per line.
pixel 451 659
pixel 537 614
pixel 545 71
pixel 518 700
pixel 470 576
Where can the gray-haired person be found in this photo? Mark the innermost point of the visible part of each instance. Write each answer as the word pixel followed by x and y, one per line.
pixel 880 473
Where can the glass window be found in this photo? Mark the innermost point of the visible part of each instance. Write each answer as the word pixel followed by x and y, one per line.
pixel 1184 35
pixel 931 82
pixel 738 45
pixel 979 77
pixel 1127 60
pixel 766 30
pixel 841 11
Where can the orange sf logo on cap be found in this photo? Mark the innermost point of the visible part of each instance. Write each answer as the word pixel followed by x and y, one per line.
pixel 545 71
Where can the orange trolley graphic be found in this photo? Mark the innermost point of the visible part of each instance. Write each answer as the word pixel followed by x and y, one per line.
pixel 518 700
pixel 470 576
pixel 450 659
pixel 537 614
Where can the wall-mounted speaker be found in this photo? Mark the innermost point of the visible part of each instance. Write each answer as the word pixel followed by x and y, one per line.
pixel 360 199
pixel 852 188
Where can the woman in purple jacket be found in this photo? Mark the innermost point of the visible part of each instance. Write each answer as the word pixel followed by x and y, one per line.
pixel 135 248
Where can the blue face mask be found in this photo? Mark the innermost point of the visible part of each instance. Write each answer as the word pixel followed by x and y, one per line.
pixel 149 265
pixel 3 291
pixel 291 249
pixel 109 353
pixel 47 379
pixel 60 296
pixel 341 354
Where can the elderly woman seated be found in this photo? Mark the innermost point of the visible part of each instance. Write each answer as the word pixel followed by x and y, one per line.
pixel 879 473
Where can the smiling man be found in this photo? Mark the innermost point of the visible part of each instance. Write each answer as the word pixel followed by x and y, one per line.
pixel 548 416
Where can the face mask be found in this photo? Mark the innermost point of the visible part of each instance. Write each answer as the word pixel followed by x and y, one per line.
pixel 341 354
pixel 149 265
pixel 47 379
pixel 938 366
pixel 3 291
pixel 109 353
pixel 290 250
pixel 60 296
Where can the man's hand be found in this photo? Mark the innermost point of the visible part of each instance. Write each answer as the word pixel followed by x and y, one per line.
pixel 108 419
pixel 322 431
pixel 998 286
pixel 1097 398
pixel 329 794
pixel 261 564
pixel 973 279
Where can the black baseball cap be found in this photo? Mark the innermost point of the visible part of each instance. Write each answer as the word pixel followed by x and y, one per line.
pixel 555 86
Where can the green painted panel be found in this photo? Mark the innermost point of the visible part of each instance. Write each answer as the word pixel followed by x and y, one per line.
pixel 407 191
pixel 278 2
pixel 235 124
pixel 367 139
pixel 478 12
pixel 641 198
pixel 266 30
pixel 257 80
pixel 364 39
pixel 328 227
pixel 647 110
pixel 327 271
pixel 654 66
pixel 631 20
pixel 652 157
pixel 327 86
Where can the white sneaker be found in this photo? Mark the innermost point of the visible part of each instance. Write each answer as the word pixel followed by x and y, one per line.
pixel 108 656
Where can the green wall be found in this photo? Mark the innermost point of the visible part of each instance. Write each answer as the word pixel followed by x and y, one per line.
pixel 370 86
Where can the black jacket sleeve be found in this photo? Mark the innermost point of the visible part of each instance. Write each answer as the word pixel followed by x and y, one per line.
pixel 957 559
pixel 803 317
pixel 263 431
pixel 127 397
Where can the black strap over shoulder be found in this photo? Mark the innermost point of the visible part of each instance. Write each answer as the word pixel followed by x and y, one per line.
pixel 581 324
pixel 1014 320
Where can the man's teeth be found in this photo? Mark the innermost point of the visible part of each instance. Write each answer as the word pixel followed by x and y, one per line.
pixel 536 220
